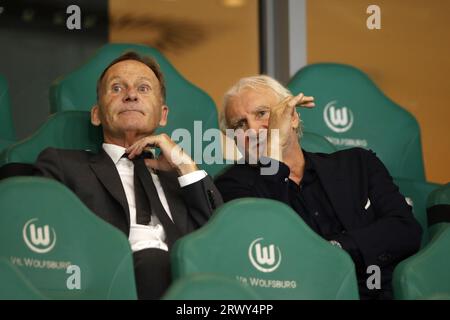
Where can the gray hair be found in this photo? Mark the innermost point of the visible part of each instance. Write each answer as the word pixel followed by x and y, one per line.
pixel 253 82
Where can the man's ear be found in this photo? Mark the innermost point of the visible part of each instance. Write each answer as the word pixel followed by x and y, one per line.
pixel 95 116
pixel 164 114
pixel 295 122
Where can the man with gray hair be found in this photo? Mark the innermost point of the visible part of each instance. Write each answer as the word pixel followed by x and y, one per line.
pixel 347 197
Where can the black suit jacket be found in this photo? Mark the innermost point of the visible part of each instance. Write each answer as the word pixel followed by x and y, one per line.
pixel 384 234
pixel 95 180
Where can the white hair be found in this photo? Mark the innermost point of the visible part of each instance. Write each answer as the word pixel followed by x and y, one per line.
pixel 253 82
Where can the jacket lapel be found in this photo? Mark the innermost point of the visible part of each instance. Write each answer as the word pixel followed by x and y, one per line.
pixel 335 187
pixel 106 172
pixel 177 207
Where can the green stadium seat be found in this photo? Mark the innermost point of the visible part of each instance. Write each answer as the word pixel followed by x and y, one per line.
pixel 439 196
pixel 7 133
pixel 438 209
pixel 14 286
pixel 5 143
pixel 63 249
pixel 352 111
pixel 316 143
pixel 425 275
pixel 187 103
pixel 209 287
pixel 416 194
pixel 267 246
pixel 438 296
pixel 66 130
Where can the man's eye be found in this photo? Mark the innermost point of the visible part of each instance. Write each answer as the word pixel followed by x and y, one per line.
pixel 239 125
pixel 262 113
pixel 144 88
pixel 116 88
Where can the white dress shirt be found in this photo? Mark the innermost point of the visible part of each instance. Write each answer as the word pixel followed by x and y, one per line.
pixel 151 235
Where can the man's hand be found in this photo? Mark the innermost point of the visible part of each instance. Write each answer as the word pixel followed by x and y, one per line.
pixel 281 117
pixel 172 157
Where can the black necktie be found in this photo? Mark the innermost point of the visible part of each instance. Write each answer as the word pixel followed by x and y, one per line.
pixel 147 194
pixel 143 205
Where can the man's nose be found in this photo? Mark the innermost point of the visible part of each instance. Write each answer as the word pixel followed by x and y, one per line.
pixel 131 95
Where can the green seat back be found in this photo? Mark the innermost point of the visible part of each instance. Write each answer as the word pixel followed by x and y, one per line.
pixel 66 130
pixel 7 133
pixel 267 246
pixel 209 287
pixel 5 143
pixel 313 142
pixel 14 286
pixel 187 103
pixel 352 111
pixel 439 199
pixel 439 196
pixel 417 193
pixel 47 233
pixel 425 275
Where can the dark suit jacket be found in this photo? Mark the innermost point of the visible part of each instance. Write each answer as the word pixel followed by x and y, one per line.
pixel 95 180
pixel 385 233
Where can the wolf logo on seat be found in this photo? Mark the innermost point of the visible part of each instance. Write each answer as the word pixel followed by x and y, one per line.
pixel 38 239
pixel 337 119
pixel 265 259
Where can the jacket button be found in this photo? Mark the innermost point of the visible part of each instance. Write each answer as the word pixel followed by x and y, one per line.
pixel 384 257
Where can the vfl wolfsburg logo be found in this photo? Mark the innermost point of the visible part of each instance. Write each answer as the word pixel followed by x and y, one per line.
pixel 265 259
pixel 337 119
pixel 38 239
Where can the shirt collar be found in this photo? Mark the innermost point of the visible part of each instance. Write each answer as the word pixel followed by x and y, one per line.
pixel 114 151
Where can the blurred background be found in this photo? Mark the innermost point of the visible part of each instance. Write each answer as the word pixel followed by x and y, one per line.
pixel 213 43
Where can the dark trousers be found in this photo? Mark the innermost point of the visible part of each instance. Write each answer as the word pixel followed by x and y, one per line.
pixel 152 273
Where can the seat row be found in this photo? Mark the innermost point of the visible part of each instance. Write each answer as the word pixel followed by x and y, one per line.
pixel 53 247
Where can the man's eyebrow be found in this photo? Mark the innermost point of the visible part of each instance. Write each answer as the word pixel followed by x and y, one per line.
pixel 144 78
pixel 114 79
pixel 120 78
pixel 262 108
pixel 234 121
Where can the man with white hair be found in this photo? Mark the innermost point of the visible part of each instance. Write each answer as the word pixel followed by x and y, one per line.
pixel 347 197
